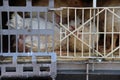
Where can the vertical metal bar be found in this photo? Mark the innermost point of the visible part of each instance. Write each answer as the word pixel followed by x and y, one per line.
pixel 3 70
pixel 34 59
pixel 53 28
pixel 93 31
pixel 93 66
pixel 14 59
pixel 82 33
pixel 45 20
pixel 0 32
pixel 105 21
pixel 23 34
pixel 28 3
pixel 94 3
pixel 5 3
pixel 31 28
pixel 94 6
pixel 77 32
pixel 87 71
pixel 90 37
pixel 38 14
pixel 8 17
pixel 61 34
pixel 97 30
pixel 51 3
pixel 16 27
pixel 112 31
pixel 1 43
pixel 69 29
pixel 46 27
pixel 38 17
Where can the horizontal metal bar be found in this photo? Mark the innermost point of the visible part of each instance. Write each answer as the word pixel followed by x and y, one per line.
pixel 114 7
pixel 96 72
pixel 25 9
pixel 25 65
pixel 43 54
pixel 45 9
pixel 43 31
pixel 28 32
pixel 30 54
pixel 103 72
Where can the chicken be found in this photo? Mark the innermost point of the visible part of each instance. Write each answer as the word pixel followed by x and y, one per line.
pixel 86 36
pixel 34 40
pixel 112 23
pixel 83 35
pixel 33 24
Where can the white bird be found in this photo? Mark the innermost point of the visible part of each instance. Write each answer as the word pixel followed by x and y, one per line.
pixel 85 38
pixel 17 22
pixel 82 37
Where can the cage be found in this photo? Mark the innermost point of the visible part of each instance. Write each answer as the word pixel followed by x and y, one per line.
pixel 46 41
pixel 16 61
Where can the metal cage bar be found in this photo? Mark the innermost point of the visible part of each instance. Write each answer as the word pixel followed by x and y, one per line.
pixel 25 31
pixel 92 24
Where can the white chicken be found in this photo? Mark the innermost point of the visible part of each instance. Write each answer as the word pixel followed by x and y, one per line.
pixel 17 22
pixel 39 42
pixel 84 37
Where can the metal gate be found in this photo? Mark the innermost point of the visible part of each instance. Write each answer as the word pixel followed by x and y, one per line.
pixel 93 33
pixel 22 32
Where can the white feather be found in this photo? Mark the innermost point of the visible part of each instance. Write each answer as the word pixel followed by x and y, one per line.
pixel 17 22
